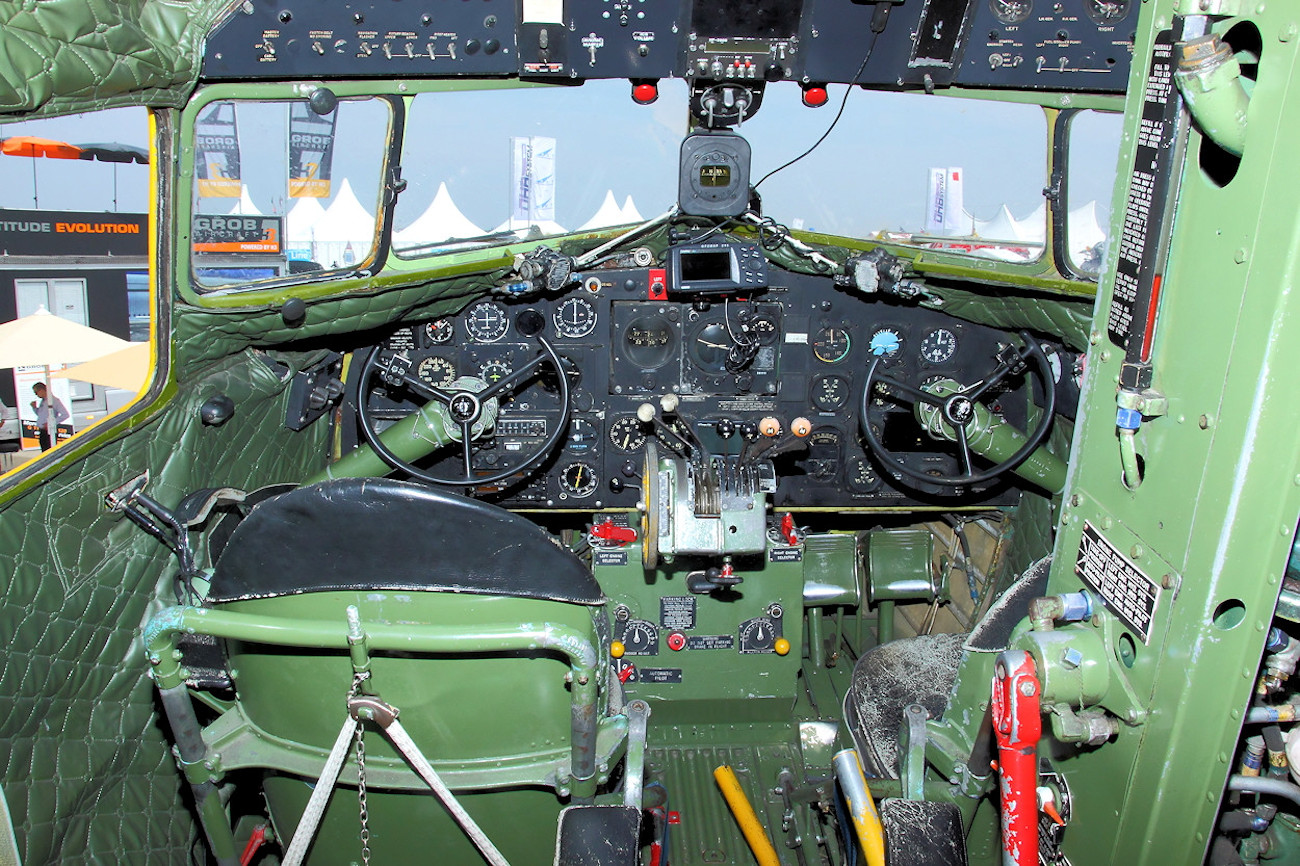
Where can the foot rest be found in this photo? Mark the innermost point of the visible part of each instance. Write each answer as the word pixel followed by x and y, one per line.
pixel 922 833
pixel 599 836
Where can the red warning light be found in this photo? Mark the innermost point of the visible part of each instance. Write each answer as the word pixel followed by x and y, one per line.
pixel 644 94
pixel 814 97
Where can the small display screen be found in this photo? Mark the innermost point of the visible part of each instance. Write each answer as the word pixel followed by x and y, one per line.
pixel 715 175
pixel 705 265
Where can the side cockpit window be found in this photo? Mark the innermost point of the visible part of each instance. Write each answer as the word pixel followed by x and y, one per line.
pixel 283 187
pixel 75 306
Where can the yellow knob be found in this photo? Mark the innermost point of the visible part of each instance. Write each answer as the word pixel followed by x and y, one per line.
pixel 616 649
pixel 769 427
pixel 781 646
pixel 801 426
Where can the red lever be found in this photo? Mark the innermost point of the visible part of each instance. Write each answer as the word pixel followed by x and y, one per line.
pixel 609 531
pixel 787 528
pixel 1018 725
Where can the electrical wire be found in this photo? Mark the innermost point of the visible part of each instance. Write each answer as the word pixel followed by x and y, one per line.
pixel 875 34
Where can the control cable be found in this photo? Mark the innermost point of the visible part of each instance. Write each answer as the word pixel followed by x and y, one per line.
pixel 877 27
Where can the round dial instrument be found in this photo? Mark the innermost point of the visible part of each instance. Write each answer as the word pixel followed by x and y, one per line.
pixel 438 372
pixel 764 328
pixel 439 332
pixel 1011 11
pixel 578 479
pixel 710 346
pixel 886 342
pixel 581 437
pixel 626 434
pixel 1105 12
pixel 648 341
pixel 494 371
pixel 829 392
pixel 832 344
pixel 486 322
pixel 574 318
pixel 938 346
pixel 861 477
pixel 640 638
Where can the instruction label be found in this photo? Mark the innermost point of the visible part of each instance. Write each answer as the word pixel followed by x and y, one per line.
pixel 1130 594
pixel 677 611
pixel 711 642
pixel 661 675
pixel 610 557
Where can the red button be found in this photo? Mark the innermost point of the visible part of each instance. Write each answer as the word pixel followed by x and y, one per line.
pixel 677 641
pixel 644 94
pixel 814 97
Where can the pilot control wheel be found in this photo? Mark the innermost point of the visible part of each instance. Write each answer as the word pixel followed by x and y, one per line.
pixel 958 409
pixel 468 407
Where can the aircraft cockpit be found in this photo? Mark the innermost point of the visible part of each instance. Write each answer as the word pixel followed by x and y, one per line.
pixel 632 433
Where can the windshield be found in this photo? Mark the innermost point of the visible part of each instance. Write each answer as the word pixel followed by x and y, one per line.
pixel 282 187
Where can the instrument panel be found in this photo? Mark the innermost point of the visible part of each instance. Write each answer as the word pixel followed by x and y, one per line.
pixel 776 373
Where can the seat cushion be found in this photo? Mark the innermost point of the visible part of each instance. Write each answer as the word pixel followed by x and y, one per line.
pixel 918 670
pixel 376 533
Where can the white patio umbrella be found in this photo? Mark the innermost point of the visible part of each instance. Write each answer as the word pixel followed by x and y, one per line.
pixel 126 368
pixel 44 340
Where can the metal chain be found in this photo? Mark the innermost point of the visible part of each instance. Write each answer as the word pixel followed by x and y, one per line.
pixel 357 680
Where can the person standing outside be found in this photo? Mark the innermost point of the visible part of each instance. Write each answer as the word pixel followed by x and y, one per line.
pixel 49 405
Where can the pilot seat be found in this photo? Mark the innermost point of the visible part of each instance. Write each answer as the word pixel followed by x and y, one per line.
pixel 372 625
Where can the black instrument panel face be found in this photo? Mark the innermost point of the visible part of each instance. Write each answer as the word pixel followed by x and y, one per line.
pixel 791 358
pixel 284 39
pixel 1035 44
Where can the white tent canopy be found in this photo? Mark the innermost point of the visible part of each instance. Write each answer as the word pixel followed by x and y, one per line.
pixel 630 213
pixel 245 204
pixel 301 219
pixel 608 214
pixel 345 232
pixel 441 221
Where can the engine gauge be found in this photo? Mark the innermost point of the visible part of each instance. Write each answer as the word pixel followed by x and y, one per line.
pixel 1011 11
pixel 574 318
pixel 640 638
pixel 649 341
pixel 582 436
pixel 764 329
pixel 861 476
pixel 438 372
pixel 886 342
pixel 627 434
pixel 486 322
pixel 494 371
pixel 938 346
pixel 832 344
pixel 439 332
pixel 578 479
pixel 1105 12
pixel 829 392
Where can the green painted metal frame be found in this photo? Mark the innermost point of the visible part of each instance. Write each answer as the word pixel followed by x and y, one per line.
pixel 165 628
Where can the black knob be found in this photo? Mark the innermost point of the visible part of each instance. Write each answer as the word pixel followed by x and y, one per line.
pixel 774 72
pixel 294 312
pixel 726 428
pixel 472 46
pixel 749 430
pixel 616 485
pixel 629 469
pixel 492 46
pixel 217 410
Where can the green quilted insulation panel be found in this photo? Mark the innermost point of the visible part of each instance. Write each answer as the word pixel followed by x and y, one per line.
pixel 85 766
pixel 76 55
